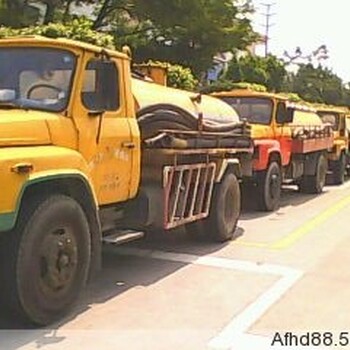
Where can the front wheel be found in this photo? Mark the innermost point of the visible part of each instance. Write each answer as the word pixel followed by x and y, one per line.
pixel 48 260
pixel 225 208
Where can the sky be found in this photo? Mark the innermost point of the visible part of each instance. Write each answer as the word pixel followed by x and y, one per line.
pixel 309 24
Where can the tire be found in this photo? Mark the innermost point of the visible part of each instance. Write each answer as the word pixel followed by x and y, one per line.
pixel 225 209
pixel 269 188
pixel 339 170
pixel 314 184
pixel 48 258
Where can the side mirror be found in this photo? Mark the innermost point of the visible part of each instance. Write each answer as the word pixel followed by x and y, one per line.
pixel 284 114
pixel 289 115
pixel 342 126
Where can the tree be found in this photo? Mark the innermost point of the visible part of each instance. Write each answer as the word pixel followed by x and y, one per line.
pixel 17 13
pixel 188 32
pixel 78 29
pixel 319 85
pixel 191 32
pixel 268 71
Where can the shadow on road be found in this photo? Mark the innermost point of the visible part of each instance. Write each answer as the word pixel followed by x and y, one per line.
pixel 119 274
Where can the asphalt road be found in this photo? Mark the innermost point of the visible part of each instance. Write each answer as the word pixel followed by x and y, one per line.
pixel 287 271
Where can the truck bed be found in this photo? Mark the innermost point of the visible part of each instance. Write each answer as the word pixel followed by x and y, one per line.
pixel 306 139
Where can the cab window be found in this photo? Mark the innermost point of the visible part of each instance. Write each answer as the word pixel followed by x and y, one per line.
pixel 100 90
pixel 254 110
pixel 36 78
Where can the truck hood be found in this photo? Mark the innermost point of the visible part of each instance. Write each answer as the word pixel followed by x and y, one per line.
pixel 261 131
pixel 22 128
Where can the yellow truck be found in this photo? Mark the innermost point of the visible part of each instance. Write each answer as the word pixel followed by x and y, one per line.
pixel 338 155
pixel 79 166
pixel 290 143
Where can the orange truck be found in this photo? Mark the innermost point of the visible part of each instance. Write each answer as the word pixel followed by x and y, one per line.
pixel 79 166
pixel 290 143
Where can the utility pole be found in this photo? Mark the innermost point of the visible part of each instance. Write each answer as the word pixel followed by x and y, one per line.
pixel 267 25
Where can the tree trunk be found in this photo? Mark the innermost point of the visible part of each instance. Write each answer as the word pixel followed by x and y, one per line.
pixel 66 11
pixel 50 12
pixel 101 15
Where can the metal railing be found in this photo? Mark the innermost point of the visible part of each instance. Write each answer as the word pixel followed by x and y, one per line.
pixel 311 131
pixel 187 192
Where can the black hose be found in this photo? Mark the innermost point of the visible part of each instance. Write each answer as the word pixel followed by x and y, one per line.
pixel 153 120
pixel 169 112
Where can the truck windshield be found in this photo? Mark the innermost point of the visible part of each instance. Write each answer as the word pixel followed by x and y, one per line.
pixel 254 110
pixel 38 78
pixel 330 118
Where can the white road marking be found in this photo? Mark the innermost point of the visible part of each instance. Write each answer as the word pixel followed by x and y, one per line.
pixel 234 336
pixel 241 323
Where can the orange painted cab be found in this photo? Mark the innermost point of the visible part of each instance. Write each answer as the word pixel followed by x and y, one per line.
pixel 290 143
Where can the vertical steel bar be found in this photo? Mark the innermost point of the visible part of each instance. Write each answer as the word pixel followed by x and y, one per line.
pixel 199 207
pixel 194 195
pixel 210 191
pixel 167 185
pixel 177 193
pixel 187 190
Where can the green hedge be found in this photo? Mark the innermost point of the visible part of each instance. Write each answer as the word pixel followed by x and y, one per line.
pixel 226 85
pixel 78 29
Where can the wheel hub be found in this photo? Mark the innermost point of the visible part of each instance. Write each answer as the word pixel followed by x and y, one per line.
pixel 59 259
pixel 274 185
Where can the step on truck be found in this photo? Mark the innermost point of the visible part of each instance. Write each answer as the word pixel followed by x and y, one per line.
pixel 78 167
pixel 338 154
pixel 290 144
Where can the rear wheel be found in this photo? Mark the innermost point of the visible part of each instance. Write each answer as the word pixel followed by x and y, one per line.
pixel 48 258
pixel 225 208
pixel 314 184
pixel 339 170
pixel 269 187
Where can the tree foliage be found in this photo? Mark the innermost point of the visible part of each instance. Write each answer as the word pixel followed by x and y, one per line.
pixel 181 77
pixel 17 13
pixel 319 85
pixel 268 71
pixel 79 29
pixel 188 32
pixel 191 32
pixel 227 85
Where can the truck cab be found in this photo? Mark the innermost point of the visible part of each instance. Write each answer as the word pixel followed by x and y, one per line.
pixel 69 145
pixel 290 143
pixel 66 111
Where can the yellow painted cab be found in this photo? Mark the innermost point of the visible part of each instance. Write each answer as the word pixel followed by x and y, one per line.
pixel 339 153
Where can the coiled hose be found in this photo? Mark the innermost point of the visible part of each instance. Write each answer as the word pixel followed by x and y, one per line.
pixel 170 126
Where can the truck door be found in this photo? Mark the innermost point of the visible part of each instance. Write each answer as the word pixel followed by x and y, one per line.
pixel 283 132
pixel 105 137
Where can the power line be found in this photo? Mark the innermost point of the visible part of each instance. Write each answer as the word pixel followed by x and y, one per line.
pixel 267 25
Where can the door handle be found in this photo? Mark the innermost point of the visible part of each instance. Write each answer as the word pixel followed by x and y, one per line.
pixel 128 144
